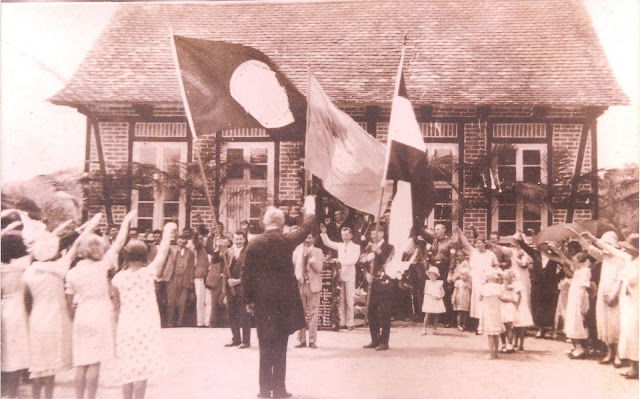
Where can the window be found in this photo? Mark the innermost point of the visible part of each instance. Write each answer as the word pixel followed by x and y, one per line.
pixel 249 186
pixel 158 204
pixel 443 158
pixel 524 165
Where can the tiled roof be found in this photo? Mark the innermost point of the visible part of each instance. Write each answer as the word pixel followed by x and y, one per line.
pixel 458 51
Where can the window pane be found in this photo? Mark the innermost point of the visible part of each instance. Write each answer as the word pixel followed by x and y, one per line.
pixel 531 174
pixel 258 172
pixel 171 210
pixel 259 194
pixel 531 157
pixel 235 155
pixel 235 171
pixel 507 212
pixel 145 210
pixel 144 224
pixel 145 193
pixel 443 195
pixel 507 158
pixel 506 174
pixel 506 228
pixel 172 194
pixel 442 212
pixel 255 210
pixel 258 155
pixel 171 160
pixel 508 197
pixel 443 160
pixel 531 214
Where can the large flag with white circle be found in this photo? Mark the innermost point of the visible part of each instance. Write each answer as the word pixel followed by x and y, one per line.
pixel 232 86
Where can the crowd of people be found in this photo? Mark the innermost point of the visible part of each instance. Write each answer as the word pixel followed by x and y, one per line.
pixel 92 297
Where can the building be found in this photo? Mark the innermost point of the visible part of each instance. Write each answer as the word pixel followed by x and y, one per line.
pixel 508 86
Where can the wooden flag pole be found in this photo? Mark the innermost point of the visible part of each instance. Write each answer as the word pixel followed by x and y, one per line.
pixel 191 126
pixel 383 182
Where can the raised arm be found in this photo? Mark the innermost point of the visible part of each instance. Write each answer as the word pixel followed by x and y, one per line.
pixel 168 234
pixel 308 223
pixel 463 240
pixel 121 238
pixel 326 240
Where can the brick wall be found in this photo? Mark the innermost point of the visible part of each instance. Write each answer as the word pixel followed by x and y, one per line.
pixel 565 140
pixel 290 188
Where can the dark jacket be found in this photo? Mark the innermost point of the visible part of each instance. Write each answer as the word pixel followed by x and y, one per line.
pixel 233 270
pixel 269 282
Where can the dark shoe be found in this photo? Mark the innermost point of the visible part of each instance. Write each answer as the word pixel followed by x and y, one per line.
pixel 301 345
pixel 630 375
pixel 382 347
pixel 606 361
pixel 336 328
pixel 232 344
pixel 264 394
pixel 313 346
pixel 243 346
pixel 618 364
pixel 372 345
pixel 281 395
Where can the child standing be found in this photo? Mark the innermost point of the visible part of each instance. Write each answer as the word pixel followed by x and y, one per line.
pixel 432 304
pixel 578 305
pixel 490 322
pixel 507 310
pixel 461 298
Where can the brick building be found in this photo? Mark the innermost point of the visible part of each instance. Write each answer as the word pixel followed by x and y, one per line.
pixel 530 74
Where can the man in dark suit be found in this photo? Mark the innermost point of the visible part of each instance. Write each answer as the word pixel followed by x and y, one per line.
pixel 178 273
pixel 232 290
pixel 271 293
pixel 382 288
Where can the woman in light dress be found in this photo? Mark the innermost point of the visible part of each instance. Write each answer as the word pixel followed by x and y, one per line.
pixel 139 349
pixel 481 262
pixel 15 333
pixel 49 321
pixel 87 289
pixel 578 305
pixel 607 307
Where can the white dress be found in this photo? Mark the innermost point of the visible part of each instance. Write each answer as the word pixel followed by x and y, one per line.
pixel 15 333
pixel 508 309
pixel 608 317
pixel 577 304
pixel 139 349
pixel 93 323
pixel 490 316
pixel 628 345
pixel 433 290
pixel 480 263
pixel 522 317
pixel 49 321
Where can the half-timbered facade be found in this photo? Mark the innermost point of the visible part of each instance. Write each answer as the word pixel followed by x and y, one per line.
pixel 529 75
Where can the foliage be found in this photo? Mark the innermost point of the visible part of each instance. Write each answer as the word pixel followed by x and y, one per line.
pixel 618 197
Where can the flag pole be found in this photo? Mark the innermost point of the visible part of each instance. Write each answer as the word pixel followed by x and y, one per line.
pixel 306 187
pixel 192 128
pixel 383 182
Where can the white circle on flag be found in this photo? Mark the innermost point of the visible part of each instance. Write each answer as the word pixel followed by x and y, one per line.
pixel 256 88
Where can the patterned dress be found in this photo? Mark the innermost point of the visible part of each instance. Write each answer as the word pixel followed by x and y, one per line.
pixel 139 349
pixel 93 323
pixel 490 316
pixel 49 322
pixel 15 334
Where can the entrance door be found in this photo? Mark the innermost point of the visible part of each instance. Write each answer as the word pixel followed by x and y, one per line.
pixel 249 182
pixel 158 204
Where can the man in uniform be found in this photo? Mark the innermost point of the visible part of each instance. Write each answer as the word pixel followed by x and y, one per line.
pixel 440 257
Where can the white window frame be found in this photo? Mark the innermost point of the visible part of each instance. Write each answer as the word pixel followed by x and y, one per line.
pixel 232 224
pixel 520 147
pixel 453 147
pixel 158 206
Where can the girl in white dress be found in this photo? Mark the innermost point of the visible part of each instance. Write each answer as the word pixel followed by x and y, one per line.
pixel 507 310
pixel 578 305
pixel 139 350
pixel 15 334
pixel 87 289
pixel 432 305
pixel 491 297
pixel 49 321
pixel 481 262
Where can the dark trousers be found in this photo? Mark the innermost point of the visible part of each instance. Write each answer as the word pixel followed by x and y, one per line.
pixel 161 296
pixel 379 316
pixel 239 319
pixel 273 363
pixel 176 305
pixel 450 315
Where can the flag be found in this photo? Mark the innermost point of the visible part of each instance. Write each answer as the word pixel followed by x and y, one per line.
pixel 232 86
pixel 347 159
pixel 407 165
